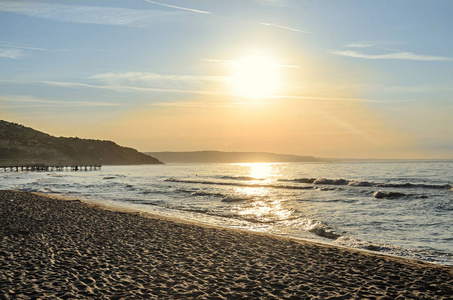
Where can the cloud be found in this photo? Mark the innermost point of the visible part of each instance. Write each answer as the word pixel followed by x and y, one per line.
pixel 84 14
pixel 30 99
pixel 275 3
pixel 229 61
pixel 159 82
pixel 378 44
pixel 362 44
pixel 179 7
pixel 20 46
pixel 214 60
pixel 284 27
pixel 336 99
pixel 10 53
pixel 398 56
pixel 127 88
pixel 148 77
pixel 12 50
pixel 415 89
pixel 197 105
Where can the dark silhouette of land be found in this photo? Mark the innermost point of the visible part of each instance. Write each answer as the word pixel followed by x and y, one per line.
pixel 230 157
pixel 23 145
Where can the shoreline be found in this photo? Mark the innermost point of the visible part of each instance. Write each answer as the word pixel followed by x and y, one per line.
pixel 61 247
pixel 114 206
pixel 127 209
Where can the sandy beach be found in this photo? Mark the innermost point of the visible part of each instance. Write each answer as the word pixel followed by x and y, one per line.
pixel 69 249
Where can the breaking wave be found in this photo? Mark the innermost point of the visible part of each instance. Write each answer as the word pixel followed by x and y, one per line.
pixel 34 190
pixel 200 193
pixel 276 186
pixel 390 195
pixel 320 229
pixel 342 181
pixel 426 255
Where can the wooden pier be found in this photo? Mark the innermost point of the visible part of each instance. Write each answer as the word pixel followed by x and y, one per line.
pixel 49 168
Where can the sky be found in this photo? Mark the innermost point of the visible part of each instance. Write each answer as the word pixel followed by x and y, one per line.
pixel 327 78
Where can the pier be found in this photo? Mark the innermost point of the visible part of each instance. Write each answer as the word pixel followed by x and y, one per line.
pixel 49 167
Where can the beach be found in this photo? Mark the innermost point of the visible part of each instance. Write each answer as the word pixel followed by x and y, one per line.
pixel 70 249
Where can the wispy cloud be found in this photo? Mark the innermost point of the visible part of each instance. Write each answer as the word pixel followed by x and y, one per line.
pixel 362 44
pixel 387 45
pixel 398 56
pixel 127 88
pixel 214 60
pixel 142 82
pixel 138 89
pixel 84 14
pixel 414 89
pixel 148 77
pixel 335 99
pixel 45 102
pixel 229 61
pixel 12 50
pixel 20 46
pixel 275 3
pixel 284 27
pixel 197 105
pixel 179 7
pixel 10 53
pixel 160 82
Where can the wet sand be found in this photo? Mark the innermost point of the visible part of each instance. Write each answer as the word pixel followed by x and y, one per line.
pixel 68 249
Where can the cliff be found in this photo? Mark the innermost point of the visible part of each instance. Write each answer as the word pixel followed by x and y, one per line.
pixel 24 144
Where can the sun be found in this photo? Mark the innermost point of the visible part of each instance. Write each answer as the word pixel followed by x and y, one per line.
pixel 255 76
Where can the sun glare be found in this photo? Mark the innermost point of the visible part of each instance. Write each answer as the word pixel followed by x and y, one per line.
pixel 255 76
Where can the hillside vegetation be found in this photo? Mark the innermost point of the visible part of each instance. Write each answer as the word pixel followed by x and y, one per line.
pixel 22 144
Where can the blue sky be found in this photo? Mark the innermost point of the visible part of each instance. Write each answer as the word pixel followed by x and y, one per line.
pixel 349 78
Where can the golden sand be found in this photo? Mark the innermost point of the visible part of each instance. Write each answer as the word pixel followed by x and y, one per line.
pixel 55 249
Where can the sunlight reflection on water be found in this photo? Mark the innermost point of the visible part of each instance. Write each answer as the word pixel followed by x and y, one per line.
pixel 262 207
pixel 266 171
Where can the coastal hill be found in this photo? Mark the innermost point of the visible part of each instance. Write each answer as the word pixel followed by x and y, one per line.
pixel 230 157
pixel 23 144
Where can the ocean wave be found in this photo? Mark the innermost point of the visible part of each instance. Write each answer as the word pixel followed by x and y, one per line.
pixel 241 178
pixel 329 189
pixel 359 183
pixel 276 186
pixel 414 185
pixel 335 181
pixel 202 193
pixel 12 175
pixel 195 193
pixel 34 190
pixel 299 180
pixel 118 175
pixel 388 195
pixel 43 180
pixel 319 228
pixel 55 175
pixel 237 199
pixel 225 197
pixel 426 255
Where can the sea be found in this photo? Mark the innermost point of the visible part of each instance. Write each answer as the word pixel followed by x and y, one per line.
pixel 401 208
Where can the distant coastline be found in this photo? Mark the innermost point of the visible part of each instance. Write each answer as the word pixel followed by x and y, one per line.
pixel 213 156
pixel 231 157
